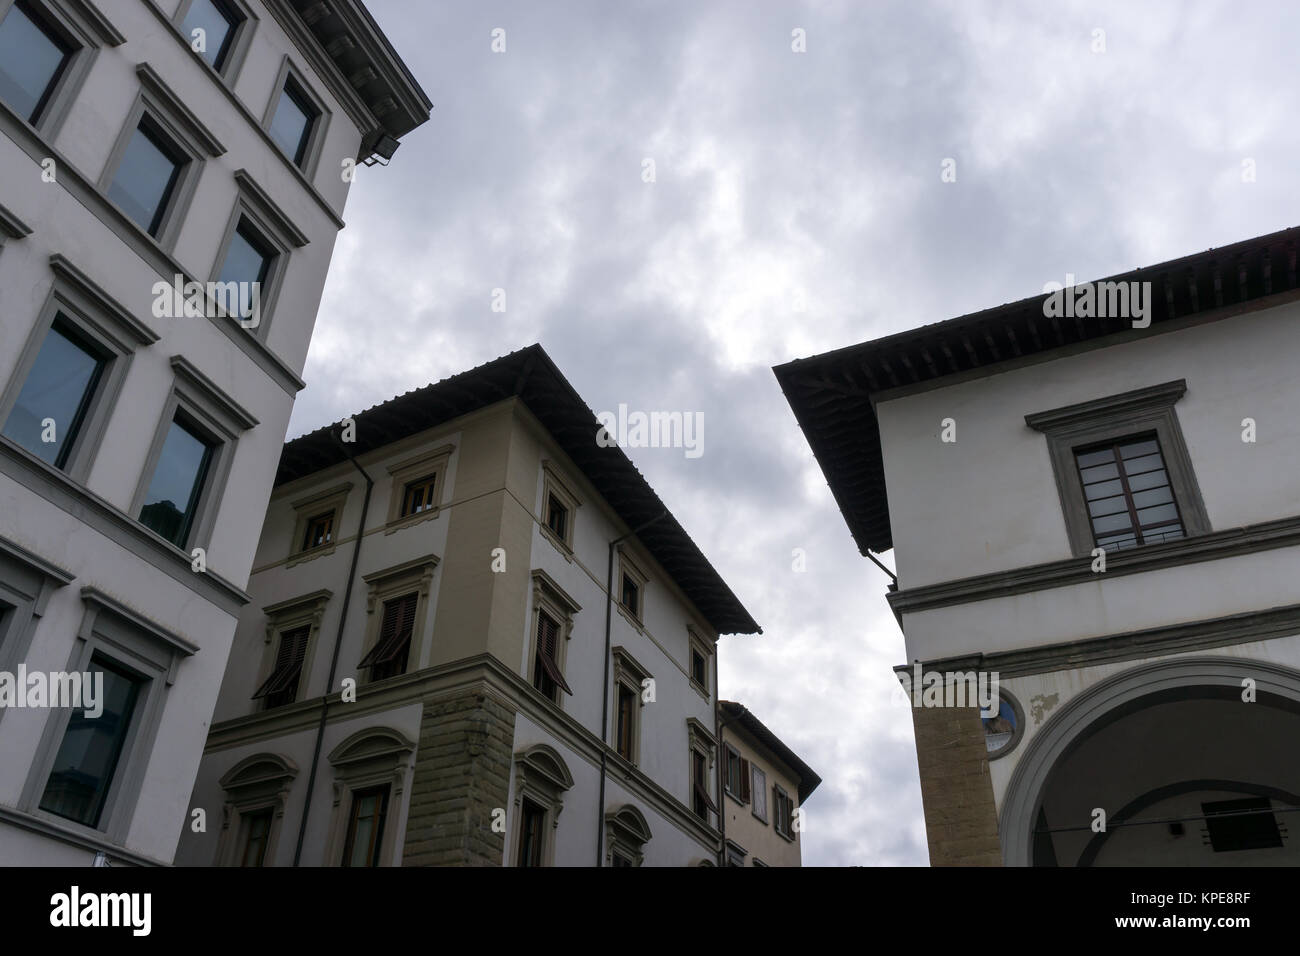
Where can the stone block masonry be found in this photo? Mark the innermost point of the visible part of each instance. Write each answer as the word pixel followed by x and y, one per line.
pixel 961 818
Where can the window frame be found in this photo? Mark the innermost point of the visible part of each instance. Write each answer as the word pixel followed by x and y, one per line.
pixel 553 601
pixel 1112 418
pixel 758 786
pixel 389 584
pixel 289 73
pixel 216 418
pixel 696 644
pixel 138 645
pixel 156 105
pixel 76 301
pixel 237 43
pixel 332 500
pixel 372 757
pixel 629 675
pixel 258 783
pixel 555 487
pixel 385 791
pixel 542 778
pixel 628 568
pixel 306 610
pixel 84 28
pixel 400 661
pixel 732 756
pixel 782 822
pixel 434 461
pixel 702 744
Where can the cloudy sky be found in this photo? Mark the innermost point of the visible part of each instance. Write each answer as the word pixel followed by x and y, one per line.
pixel 797 205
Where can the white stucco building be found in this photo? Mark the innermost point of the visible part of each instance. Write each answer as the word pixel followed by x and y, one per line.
pixel 145 144
pixel 476 637
pixel 999 454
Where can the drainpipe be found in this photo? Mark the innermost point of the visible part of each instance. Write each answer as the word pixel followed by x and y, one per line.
pixel 604 706
pixel 720 723
pixel 338 643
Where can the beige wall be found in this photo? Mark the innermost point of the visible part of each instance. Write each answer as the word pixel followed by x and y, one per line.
pixel 758 837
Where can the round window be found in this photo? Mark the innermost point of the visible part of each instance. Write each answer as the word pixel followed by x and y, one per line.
pixel 1003 731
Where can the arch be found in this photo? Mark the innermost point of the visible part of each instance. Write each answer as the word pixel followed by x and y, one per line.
pixel 371 743
pixel 548 766
pixel 1109 699
pixel 259 769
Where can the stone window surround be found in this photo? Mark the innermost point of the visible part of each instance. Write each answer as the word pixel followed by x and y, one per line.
pixel 371 757
pixel 113 630
pixel 413 468
pixel 88 30
pixel 304 610
pixel 239 42
pixel 1112 418
pixel 777 789
pixel 273 228
pixel 333 499
pixel 27 581
pixel 316 138
pixel 627 565
pixel 548 596
pixel 695 642
pixel 80 303
pixel 259 782
pixel 554 484
pixel 542 776
pixel 735 853
pixel 626 833
pixel 219 420
pixel 415 576
pixel 185 132
pixel 629 673
pixel 699 739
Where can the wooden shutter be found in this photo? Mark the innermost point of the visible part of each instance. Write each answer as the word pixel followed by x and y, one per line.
pixel 394 632
pixel 288 662
pixel 744 780
pixel 548 639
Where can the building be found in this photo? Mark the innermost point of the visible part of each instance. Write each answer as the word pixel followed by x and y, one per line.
pixel 1101 508
pixel 147 146
pixel 761 780
pixel 477 637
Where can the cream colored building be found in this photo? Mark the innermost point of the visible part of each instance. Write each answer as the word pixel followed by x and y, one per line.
pixel 451 564
pixel 764 785
pixel 142 143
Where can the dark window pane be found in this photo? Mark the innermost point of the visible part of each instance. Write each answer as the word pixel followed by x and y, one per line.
pixel 1107 506
pixel 87 758
pixel 248 261
pixel 218 25
pixel 1137 449
pixel 255 838
pixel 366 827
pixel 291 124
pixel 1099 473
pixel 1090 458
pixel 177 480
pixel 31 59
pixel 631 595
pixel 58 387
pixel 146 178
pixel 531 834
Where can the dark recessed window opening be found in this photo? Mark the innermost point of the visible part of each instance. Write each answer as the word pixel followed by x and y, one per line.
pixel 87 760
pixel 557 517
pixel 626 715
pixel 292 124
pixel 547 677
pixel 147 176
pixel 418 495
pixel 1241 825
pixel 366 827
pixel 1130 500
pixel 58 389
pixel 173 497
pixel 701 802
pixel 531 832
pixel 218 22
pixel 320 531
pixel 388 657
pixel 699 668
pixel 281 687
pixel 33 56
pixel 737 775
pixel 632 596
pixel 256 834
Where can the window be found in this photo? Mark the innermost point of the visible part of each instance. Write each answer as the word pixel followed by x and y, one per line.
pixel 699 668
pixel 736 854
pixel 701 802
pixel 547 676
pixel 293 121
pixel 147 176
pixel 531 834
pixel 257 832
pixel 247 264
pixel 631 596
pixel 418 495
pixel 759 790
pixel 627 704
pixel 700 655
pixel 557 517
pixel 783 810
pixel 33 57
pixel 626 836
pixel 57 390
pixel 366 827
pixel 388 658
pixel 172 499
pixel 618 859
pixel 1241 825
pixel 1122 470
pixel 1130 500
pixel 737 776
pixel 631 590
pixel 1003 731
pixel 281 687
pixel 218 23
pixel 320 531
pixel 88 757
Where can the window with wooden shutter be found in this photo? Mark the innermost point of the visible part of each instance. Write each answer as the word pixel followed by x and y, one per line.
pixel 546 666
pixel 744 780
pixel 389 655
pixel 702 803
pixel 282 686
